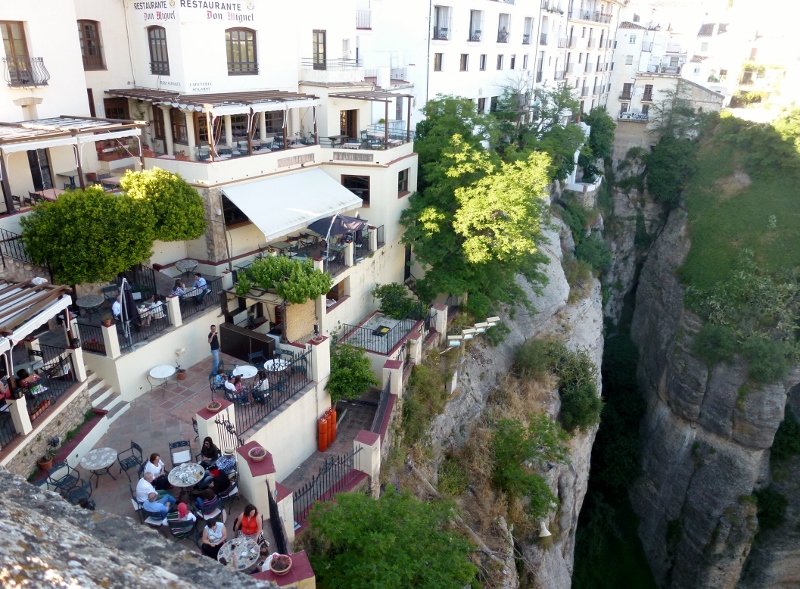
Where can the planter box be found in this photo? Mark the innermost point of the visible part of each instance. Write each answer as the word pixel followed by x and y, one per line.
pixel 182 158
pixel 41 408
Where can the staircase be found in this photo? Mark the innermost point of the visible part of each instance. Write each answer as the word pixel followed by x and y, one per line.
pixel 105 398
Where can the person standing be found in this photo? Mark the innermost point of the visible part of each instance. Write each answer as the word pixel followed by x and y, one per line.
pixel 213 341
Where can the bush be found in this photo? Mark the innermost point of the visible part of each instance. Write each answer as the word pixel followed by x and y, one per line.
pixel 452 477
pixel 531 359
pixel 769 359
pixel 669 166
pixel 579 277
pixel 351 373
pixel 594 252
pixel 395 301
pixel 771 509
pixel 714 344
pixel 787 438
pixel 425 398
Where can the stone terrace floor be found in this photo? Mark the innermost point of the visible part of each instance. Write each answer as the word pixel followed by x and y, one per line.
pixel 158 418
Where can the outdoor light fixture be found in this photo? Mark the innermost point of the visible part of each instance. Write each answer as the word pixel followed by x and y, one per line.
pixel 481 327
pixel 454 340
pixel 468 333
pixel 493 320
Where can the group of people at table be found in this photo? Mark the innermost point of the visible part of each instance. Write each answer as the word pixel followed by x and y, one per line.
pixel 152 491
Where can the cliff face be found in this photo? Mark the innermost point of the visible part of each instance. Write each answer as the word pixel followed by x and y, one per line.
pixel 580 325
pixel 705 445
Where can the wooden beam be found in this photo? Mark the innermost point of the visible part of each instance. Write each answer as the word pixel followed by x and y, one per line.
pixel 32 311
pixel 6 185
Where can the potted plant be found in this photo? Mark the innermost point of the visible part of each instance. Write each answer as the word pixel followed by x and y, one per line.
pixel 181 372
pixel 46 462
pixel 107 320
pixel 257 454
pixel 181 156
pixel 280 564
pixel 214 406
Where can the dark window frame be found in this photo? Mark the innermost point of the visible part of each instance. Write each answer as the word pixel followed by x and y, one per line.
pixel 158 124
pixel 362 192
pixel 116 108
pixel 159 53
pixel 402 181
pixel 233 215
pixel 482 63
pixel 464 62
pixel 91 45
pixel 242 51
pixel 438 62
pixel 180 133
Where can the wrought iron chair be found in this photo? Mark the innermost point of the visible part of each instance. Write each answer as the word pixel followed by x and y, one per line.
pixel 231 494
pixel 257 359
pixel 130 458
pixel 82 491
pixel 211 509
pixel 183 453
pixel 65 482
pixel 182 530
pixel 196 431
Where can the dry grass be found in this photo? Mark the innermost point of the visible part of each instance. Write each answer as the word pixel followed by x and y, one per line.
pixel 729 186
pixel 520 399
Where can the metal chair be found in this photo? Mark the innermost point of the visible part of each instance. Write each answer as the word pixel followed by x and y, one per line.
pixel 211 509
pixel 257 359
pixel 130 458
pixel 231 494
pixel 183 454
pixel 196 431
pixel 110 293
pixel 66 482
pixel 82 491
pixel 182 530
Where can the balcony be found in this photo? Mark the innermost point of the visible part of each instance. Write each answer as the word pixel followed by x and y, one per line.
pixel 663 69
pixel 440 33
pixel 502 36
pixel 538 77
pixel 634 117
pixel 584 91
pixel 590 44
pixel 625 96
pixel 588 69
pixel 559 75
pixel 570 68
pixel 474 36
pixel 647 98
pixel 543 39
pixel 331 70
pixel 587 15
pixel 24 72
pixel 572 43
pixel 526 39
pixel 562 42
pixel 364 19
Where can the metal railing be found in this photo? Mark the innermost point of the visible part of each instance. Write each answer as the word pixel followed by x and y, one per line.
pixel 363 19
pixel 334 475
pixel 474 36
pixel 502 36
pixel 562 42
pixel 647 47
pixel 150 323
pixel 335 264
pixel 538 76
pixel 330 65
pixel 647 98
pixel 283 385
pixel 383 405
pixel 625 96
pixel 13 246
pixel 92 338
pixel 381 236
pixel 399 73
pixel 440 33
pixel 572 43
pixel 591 16
pixel 635 117
pixel 588 68
pixel 590 44
pixel 26 71
pixel 361 248
pixel 7 430
pixel 570 67
pixel 526 38
pixel 56 377
pixel 559 75
pixel 191 304
pixel 585 91
pixel 543 39
pixel 375 340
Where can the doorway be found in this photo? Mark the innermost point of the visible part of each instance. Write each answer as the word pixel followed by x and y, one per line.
pixel 407 267
pixel 348 123
pixel 40 169
pixel 319 50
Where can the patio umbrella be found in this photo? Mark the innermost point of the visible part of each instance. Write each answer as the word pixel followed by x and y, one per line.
pixel 130 312
pixel 337 225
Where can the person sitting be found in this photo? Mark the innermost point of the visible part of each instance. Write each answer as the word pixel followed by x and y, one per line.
pixel 178 290
pixel 233 394
pixel 160 506
pixel 214 536
pixel 156 466
pixel 145 486
pixel 237 383
pixel 208 453
pixel 26 380
pixel 155 310
pixel 220 483
pixel 201 287
pixel 116 308
pixel 184 515
pixel 227 463
pixel 202 494
pixel 249 524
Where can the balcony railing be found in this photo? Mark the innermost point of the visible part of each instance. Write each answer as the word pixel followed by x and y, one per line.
pixel 543 39
pixel 380 235
pixel 562 42
pixel 57 375
pixel 474 36
pixel 625 96
pixel 585 91
pixel 634 117
pixel 191 304
pixel 502 36
pixel 330 65
pixel 664 69
pixel 591 16
pixel 26 71
pixel 570 67
pixel 538 77
pixel 647 98
pixel 526 38
pixel 92 338
pixel 440 33
pixel 590 44
pixel 363 19
pixel 559 75
pixel 572 43
pixel 589 68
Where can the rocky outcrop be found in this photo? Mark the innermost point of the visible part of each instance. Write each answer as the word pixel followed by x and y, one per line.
pixel 705 443
pixel 580 325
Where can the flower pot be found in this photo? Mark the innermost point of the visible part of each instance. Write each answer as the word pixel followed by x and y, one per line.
pixel 214 406
pixel 45 464
pixel 256 457
pixel 182 158
pixel 106 322
pixel 181 374
pixel 281 564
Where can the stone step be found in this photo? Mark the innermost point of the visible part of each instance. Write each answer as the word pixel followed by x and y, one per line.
pixel 110 401
pixel 117 410
pixel 100 394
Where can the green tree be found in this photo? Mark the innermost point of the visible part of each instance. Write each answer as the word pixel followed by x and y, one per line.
pixel 395 300
pixel 601 137
pixel 673 114
pixel 670 165
pixel 295 281
pixel 88 235
pixel 178 208
pixel 351 373
pixel 395 541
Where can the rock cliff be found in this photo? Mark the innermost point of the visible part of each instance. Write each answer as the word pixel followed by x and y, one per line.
pixel 705 445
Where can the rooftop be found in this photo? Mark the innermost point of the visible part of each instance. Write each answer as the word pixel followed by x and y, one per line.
pixel 234 102
pixel 61 127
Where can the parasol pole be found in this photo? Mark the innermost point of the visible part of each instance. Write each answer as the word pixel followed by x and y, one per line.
pixel 124 313
pixel 328 240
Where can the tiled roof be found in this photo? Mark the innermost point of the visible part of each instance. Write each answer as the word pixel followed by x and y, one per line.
pixel 706 30
pixel 630 25
pixel 723 28
pixel 698 58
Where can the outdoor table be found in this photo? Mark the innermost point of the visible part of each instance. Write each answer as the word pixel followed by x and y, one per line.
pixel 276 365
pixel 50 194
pixel 111 182
pixel 245 371
pixel 161 373
pixel 186 266
pixel 99 461
pixel 185 475
pixel 90 302
pixel 339 138
pixel 246 550
pixel 72 174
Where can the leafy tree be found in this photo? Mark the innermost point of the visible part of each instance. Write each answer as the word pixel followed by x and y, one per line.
pixel 669 167
pixel 351 373
pixel 674 115
pixel 601 137
pixel 395 301
pixel 295 281
pixel 178 208
pixel 88 235
pixel 395 541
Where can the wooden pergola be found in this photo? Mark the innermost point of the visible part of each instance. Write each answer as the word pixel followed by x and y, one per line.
pixel 386 98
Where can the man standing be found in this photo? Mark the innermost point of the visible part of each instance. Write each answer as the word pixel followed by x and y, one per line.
pixel 200 286
pixel 213 341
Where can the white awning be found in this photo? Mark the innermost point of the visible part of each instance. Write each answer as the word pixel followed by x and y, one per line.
pixel 14 302
pixel 279 206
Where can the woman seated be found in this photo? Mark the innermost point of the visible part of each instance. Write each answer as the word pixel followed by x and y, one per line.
pixel 214 536
pixel 26 380
pixel 233 393
pixel 249 524
pixel 208 453
pixel 179 289
pixel 154 310
pixel 156 466
pixel 184 515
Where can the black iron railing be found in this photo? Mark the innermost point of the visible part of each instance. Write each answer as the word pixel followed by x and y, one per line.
pixel 13 246
pixel 381 236
pixel 56 377
pixel 526 39
pixel 283 385
pixel 362 247
pixel 502 37
pixel 228 438
pixel 383 405
pixel 142 279
pixel 377 339
pixel 26 71
pixel 363 19
pixel 440 33
pixel 543 39
pixel 7 430
pixel 474 36
pixel 151 322
pixel 92 338
pixel 192 303
pixel 335 264
pixel 335 474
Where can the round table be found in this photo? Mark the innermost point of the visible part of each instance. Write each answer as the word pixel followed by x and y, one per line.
pixel 162 372
pixel 99 461
pixel 246 371
pixel 246 550
pixel 90 302
pixel 276 365
pixel 185 475
pixel 186 266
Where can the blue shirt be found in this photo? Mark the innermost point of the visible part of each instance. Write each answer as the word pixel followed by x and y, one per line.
pixel 200 283
pixel 226 464
pixel 155 507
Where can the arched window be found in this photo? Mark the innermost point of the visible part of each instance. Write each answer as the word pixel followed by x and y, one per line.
pixel 89 35
pixel 240 45
pixel 159 58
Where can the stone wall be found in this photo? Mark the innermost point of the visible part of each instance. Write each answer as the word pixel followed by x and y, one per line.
pixel 215 233
pixel 70 416
pixel 300 320
pixel 19 271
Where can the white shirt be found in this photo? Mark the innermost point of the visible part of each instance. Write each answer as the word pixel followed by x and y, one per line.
pixel 157 310
pixel 116 309
pixel 230 386
pixel 143 489
pixel 155 469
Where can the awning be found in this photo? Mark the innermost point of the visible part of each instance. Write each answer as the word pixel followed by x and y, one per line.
pixel 279 206
pixel 25 307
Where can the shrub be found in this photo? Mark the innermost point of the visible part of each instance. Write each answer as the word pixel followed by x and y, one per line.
pixel 714 344
pixel 531 359
pixel 293 280
pixel 768 359
pixel 669 166
pixel 579 277
pixel 395 301
pixel 771 509
pixel 787 438
pixel 351 373
pixel 425 398
pixel 452 477
pixel 594 252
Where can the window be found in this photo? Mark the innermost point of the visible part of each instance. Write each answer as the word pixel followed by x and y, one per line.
pixel 481 105
pixel 437 62
pixel 623 107
pixel 240 45
pixel 629 60
pixel 475 25
pixel 441 23
pixel 358 185
pixel 525 61
pixel 239 126
pixel 499 62
pixel 158 123
pixel 159 58
pixel 696 70
pixel 89 35
pixel 645 109
pixel 16 52
pixel 631 39
pixel 704 47
pixel 319 49
pixel 583 33
pixel 627 89
pixel 178 119
pixel 483 63
pixel 201 125
pixel 116 108
pixel 513 63
pixel 648 92
pixel 274 120
pixel 493 104
pixel 41 174
pixel 402 182
pixel 464 62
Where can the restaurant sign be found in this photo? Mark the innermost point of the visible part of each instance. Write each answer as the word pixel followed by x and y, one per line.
pixel 155 11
